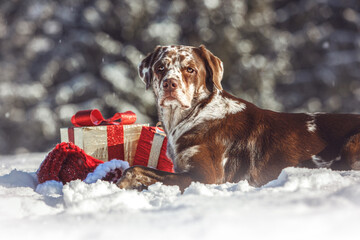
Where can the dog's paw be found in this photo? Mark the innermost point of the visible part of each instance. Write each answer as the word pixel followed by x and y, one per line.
pixel 132 179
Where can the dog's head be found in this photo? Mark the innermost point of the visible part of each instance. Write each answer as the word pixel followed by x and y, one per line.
pixel 181 75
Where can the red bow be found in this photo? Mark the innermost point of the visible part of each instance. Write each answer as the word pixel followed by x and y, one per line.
pixel 94 118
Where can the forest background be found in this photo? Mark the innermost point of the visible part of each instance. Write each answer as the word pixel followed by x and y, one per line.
pixel 59 57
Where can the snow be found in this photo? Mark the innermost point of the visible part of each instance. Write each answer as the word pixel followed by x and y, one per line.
pixel 300 204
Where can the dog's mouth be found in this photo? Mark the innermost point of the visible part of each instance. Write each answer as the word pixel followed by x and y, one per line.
pixel 170 101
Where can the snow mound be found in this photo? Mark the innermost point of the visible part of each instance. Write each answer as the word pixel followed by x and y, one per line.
pixel 325 203
pixel 101 197
pixel 301 179
pixel 17 179
pixel 50 188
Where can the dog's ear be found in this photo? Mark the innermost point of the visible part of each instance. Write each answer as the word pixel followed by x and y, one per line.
pixel 214 67
pixel 145 67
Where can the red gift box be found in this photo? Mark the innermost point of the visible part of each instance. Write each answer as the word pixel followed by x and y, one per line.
pixel 104 139
pixel 151 150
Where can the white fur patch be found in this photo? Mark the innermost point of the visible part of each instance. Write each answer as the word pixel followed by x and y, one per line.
pixel 144 72
pixel 182 160
pixel 232 107
pixel 224 161
pixel 171 116
pixel 218 108
pixel 320 163
pixel 189 152
pixel 311 125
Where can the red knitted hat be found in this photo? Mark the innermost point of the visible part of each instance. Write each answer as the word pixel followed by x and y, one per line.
pixel 66 162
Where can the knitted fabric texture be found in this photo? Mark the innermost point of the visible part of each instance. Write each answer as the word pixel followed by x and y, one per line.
pixel 66 162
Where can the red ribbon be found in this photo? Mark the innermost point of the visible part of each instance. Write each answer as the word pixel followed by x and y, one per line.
pixel 94 118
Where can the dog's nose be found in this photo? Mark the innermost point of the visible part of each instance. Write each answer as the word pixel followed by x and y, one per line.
pixel 170 84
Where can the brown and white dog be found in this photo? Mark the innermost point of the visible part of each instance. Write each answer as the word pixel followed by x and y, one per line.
pixel 214 137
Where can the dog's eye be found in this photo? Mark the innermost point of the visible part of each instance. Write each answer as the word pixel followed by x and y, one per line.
pixel 161 68
pixel 190 70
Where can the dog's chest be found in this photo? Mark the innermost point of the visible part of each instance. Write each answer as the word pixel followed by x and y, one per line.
pixel 180 137
pixel 181 164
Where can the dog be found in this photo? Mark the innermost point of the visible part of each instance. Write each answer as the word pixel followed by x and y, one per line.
pixel 214 137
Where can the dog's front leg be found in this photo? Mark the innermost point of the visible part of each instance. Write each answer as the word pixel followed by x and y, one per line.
pixel 139 177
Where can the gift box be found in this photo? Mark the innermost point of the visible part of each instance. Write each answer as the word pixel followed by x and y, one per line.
pixel 105 142
pixel 104 139
pixel 151 150
pixel 87 148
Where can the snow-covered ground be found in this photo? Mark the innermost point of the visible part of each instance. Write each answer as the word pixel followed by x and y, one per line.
pixel 300 204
